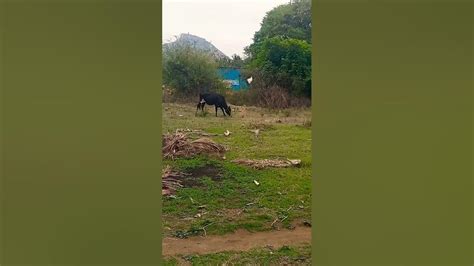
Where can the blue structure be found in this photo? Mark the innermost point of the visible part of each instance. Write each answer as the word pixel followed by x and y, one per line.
pixel 233 77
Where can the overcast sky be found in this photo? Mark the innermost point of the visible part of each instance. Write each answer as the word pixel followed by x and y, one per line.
pixel 227 24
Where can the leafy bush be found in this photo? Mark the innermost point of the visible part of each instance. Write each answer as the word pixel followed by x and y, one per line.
pixel 285 63
pixel 269 97
pixel 188 71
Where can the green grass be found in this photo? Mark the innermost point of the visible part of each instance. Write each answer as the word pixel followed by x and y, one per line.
pixel 234 201
pixel 262 256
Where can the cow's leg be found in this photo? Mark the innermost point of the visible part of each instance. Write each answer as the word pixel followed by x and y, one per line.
pixel 223 111
pixel 216 110
pixel 198 106
pixel 201 105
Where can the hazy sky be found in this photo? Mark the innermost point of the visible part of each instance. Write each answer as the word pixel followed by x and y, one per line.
pixel 227 24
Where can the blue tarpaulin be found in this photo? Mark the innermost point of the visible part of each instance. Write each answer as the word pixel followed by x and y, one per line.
pixel 233 77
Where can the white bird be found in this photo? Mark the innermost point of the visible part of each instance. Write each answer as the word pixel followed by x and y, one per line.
pixel 249 80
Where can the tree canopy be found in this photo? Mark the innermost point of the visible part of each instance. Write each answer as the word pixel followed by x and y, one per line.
pixel 285 62
pixel 281 50
pixel 234 61
pixel 290 20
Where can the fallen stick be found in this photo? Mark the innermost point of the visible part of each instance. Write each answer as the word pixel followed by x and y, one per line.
pixel 274 222
pixel 204 229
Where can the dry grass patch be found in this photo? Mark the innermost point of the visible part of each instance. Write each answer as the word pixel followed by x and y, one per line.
pixel 260 164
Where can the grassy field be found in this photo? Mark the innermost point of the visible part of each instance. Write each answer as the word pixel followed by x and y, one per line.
pixel 300 255
pixel 222 196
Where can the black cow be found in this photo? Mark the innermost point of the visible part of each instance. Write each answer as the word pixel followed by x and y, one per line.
pixel 213 99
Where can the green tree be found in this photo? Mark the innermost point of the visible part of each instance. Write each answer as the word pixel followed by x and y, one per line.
pixel 234 61
pixel 224 62
pixel 281 50
pixel 237 61
pixel 289 20
pixel 189 71
pixel 285 62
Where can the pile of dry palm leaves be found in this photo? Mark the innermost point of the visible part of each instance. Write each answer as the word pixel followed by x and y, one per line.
pixel 195 131
pixel 178 145
pixel 170 181
pixel 260 164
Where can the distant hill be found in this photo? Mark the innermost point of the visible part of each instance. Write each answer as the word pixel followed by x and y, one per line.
pixel 198 43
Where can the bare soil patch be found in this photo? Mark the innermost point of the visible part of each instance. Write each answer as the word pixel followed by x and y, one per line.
pixel 194 176
pixel 173 180
pixel 241 240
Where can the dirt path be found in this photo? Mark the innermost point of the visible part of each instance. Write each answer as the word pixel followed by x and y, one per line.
pixel 241 240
